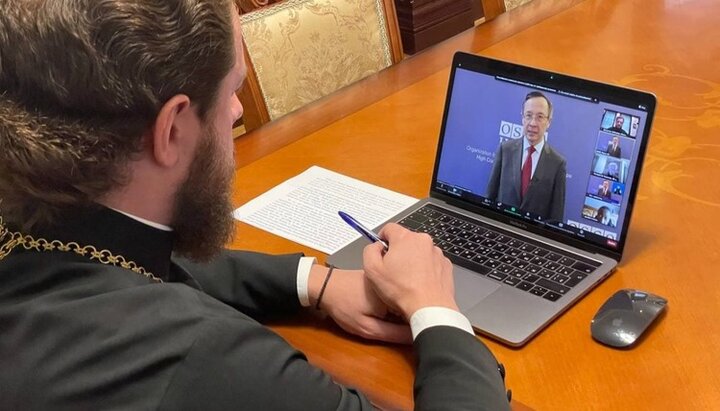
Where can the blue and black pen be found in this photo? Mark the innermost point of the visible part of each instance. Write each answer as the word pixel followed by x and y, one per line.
pixel 366 232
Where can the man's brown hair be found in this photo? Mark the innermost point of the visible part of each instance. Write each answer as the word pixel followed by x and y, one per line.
pixel 82 80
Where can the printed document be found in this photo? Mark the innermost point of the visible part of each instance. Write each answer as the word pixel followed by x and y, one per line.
pixel 305 208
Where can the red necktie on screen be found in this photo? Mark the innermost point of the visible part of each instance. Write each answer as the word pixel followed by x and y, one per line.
pixel 526 172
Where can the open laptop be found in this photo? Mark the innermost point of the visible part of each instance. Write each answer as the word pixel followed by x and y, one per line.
pixel 521 260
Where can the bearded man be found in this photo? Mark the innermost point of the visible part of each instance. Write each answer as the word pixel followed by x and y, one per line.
pixel 115 153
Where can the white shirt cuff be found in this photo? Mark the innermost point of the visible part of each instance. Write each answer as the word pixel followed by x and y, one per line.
pixel 434 316
pixel 303 277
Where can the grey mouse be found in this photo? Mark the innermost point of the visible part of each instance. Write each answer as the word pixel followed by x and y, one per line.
pixel 624 317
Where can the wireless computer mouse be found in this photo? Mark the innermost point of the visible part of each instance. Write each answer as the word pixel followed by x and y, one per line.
pixel 624 317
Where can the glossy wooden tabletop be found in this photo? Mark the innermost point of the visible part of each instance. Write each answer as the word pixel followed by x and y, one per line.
pixel 384 131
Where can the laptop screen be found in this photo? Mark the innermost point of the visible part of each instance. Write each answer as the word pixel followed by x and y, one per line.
pixel 546 150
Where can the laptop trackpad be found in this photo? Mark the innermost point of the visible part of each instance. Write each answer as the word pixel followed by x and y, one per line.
pixel 471 288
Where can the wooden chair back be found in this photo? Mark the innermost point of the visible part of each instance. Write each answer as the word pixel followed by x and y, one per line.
pixel 299 51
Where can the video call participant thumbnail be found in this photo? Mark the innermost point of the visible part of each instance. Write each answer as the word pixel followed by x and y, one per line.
pixel 600 212
pixel 617 126
pixel 602 216
pixel 611 170
pixel 613 147
pixel 527 172
pixel 604 190
pixel 610 167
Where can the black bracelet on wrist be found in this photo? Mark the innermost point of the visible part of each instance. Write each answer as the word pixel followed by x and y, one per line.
pixel 325 283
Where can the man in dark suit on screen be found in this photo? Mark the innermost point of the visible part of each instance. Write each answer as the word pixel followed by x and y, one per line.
pixel 604 190
pixel 527 172
pixel 613 147
pixel 618 125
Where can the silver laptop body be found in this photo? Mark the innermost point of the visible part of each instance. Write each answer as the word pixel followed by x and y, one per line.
pixel 599 130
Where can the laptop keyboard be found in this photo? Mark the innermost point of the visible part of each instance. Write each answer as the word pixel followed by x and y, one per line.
pixel 500 255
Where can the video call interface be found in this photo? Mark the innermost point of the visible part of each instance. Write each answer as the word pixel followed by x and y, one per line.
pixel 598 140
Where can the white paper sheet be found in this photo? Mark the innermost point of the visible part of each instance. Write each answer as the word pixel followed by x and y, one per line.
pixel 305 208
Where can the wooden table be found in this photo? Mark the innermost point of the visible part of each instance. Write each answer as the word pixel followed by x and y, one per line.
pixel 392 121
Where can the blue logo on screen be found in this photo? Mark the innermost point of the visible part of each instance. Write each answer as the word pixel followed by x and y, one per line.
pixel 510 130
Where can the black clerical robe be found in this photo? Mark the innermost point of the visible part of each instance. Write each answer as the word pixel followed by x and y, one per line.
pixel 77 334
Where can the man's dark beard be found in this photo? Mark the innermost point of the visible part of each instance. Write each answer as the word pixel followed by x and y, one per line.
pixel 203 220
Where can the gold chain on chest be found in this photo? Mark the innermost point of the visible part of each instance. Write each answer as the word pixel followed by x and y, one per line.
pixel 10 240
